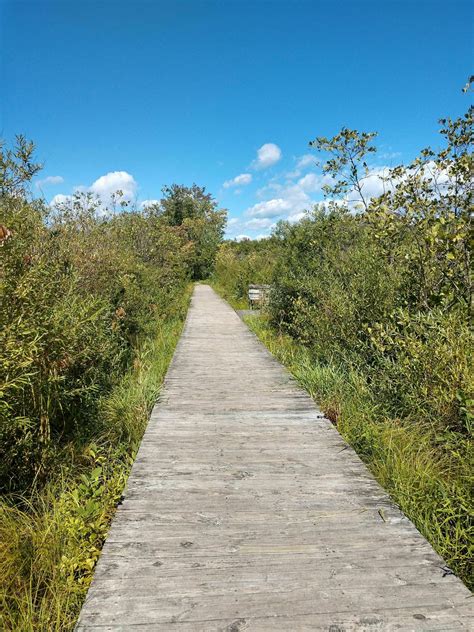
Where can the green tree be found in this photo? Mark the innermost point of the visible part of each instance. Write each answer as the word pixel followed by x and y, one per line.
pixel 423 221
pixel 17 167
pixel 346 164
pixel 198 212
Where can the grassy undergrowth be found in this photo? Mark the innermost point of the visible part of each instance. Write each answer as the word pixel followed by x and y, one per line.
pixel 229 296
pixel 430 482
pixel 51 539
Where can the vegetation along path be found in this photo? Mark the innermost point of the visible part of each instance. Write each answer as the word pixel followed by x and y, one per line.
pixel 246 510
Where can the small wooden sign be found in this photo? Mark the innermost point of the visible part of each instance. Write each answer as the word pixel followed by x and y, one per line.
pixel 258 295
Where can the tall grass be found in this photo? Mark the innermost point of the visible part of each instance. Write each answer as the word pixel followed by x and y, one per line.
pixel 52 538
pixel 432 485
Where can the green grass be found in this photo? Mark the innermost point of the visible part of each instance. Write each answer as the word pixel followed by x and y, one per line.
pixel 431 482
pixel 236 303
pixel 51 540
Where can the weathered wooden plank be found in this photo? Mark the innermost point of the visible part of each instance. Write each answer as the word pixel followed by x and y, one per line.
pixel 118 607
pixel 246 510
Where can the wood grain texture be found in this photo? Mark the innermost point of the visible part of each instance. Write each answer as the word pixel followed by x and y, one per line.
pixel 246 510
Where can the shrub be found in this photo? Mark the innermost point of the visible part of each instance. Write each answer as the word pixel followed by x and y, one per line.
pixel 238 265
pixel 82 287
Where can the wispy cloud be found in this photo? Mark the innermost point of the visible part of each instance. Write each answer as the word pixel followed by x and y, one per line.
pixel 302 164
pixel 314 182
pixel 305 161
pixel 242 180
pixel 49 180
pixel 259 223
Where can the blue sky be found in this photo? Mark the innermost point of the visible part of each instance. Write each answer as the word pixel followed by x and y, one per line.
pixel 141 94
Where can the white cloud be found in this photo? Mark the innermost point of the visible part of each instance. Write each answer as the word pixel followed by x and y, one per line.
pixel 372 185
pixel 241 180
pixel 104 187
pixel 115 181
pixel 270 208
pixel 390 155
pixel 314 182
pixel 291 201
pixel 234 225
pixel 284 200
pixel 269 189
pixel 59 198
pixel 257 223
pixel 286 203
pixel 377 181
pixel 293 219
pixel 241 237
pixel 146 203
pixel 310 182
pixel 268 155
pixel 305 161
pixel 49 180
pixel 302 164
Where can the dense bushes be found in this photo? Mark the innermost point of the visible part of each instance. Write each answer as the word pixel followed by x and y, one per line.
pixel 52 537
pixel 81 287
pixel 92 305
pixel 371 303
pixel 388 289
pixel 342 299
pixel 238 264
pixel 77 296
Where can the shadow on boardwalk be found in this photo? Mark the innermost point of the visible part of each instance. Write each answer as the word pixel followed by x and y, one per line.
pixel 246 510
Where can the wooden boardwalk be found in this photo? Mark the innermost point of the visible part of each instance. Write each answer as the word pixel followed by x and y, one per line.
pixel 246 510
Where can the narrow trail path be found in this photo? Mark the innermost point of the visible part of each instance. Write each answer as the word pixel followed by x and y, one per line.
pixel 246 510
